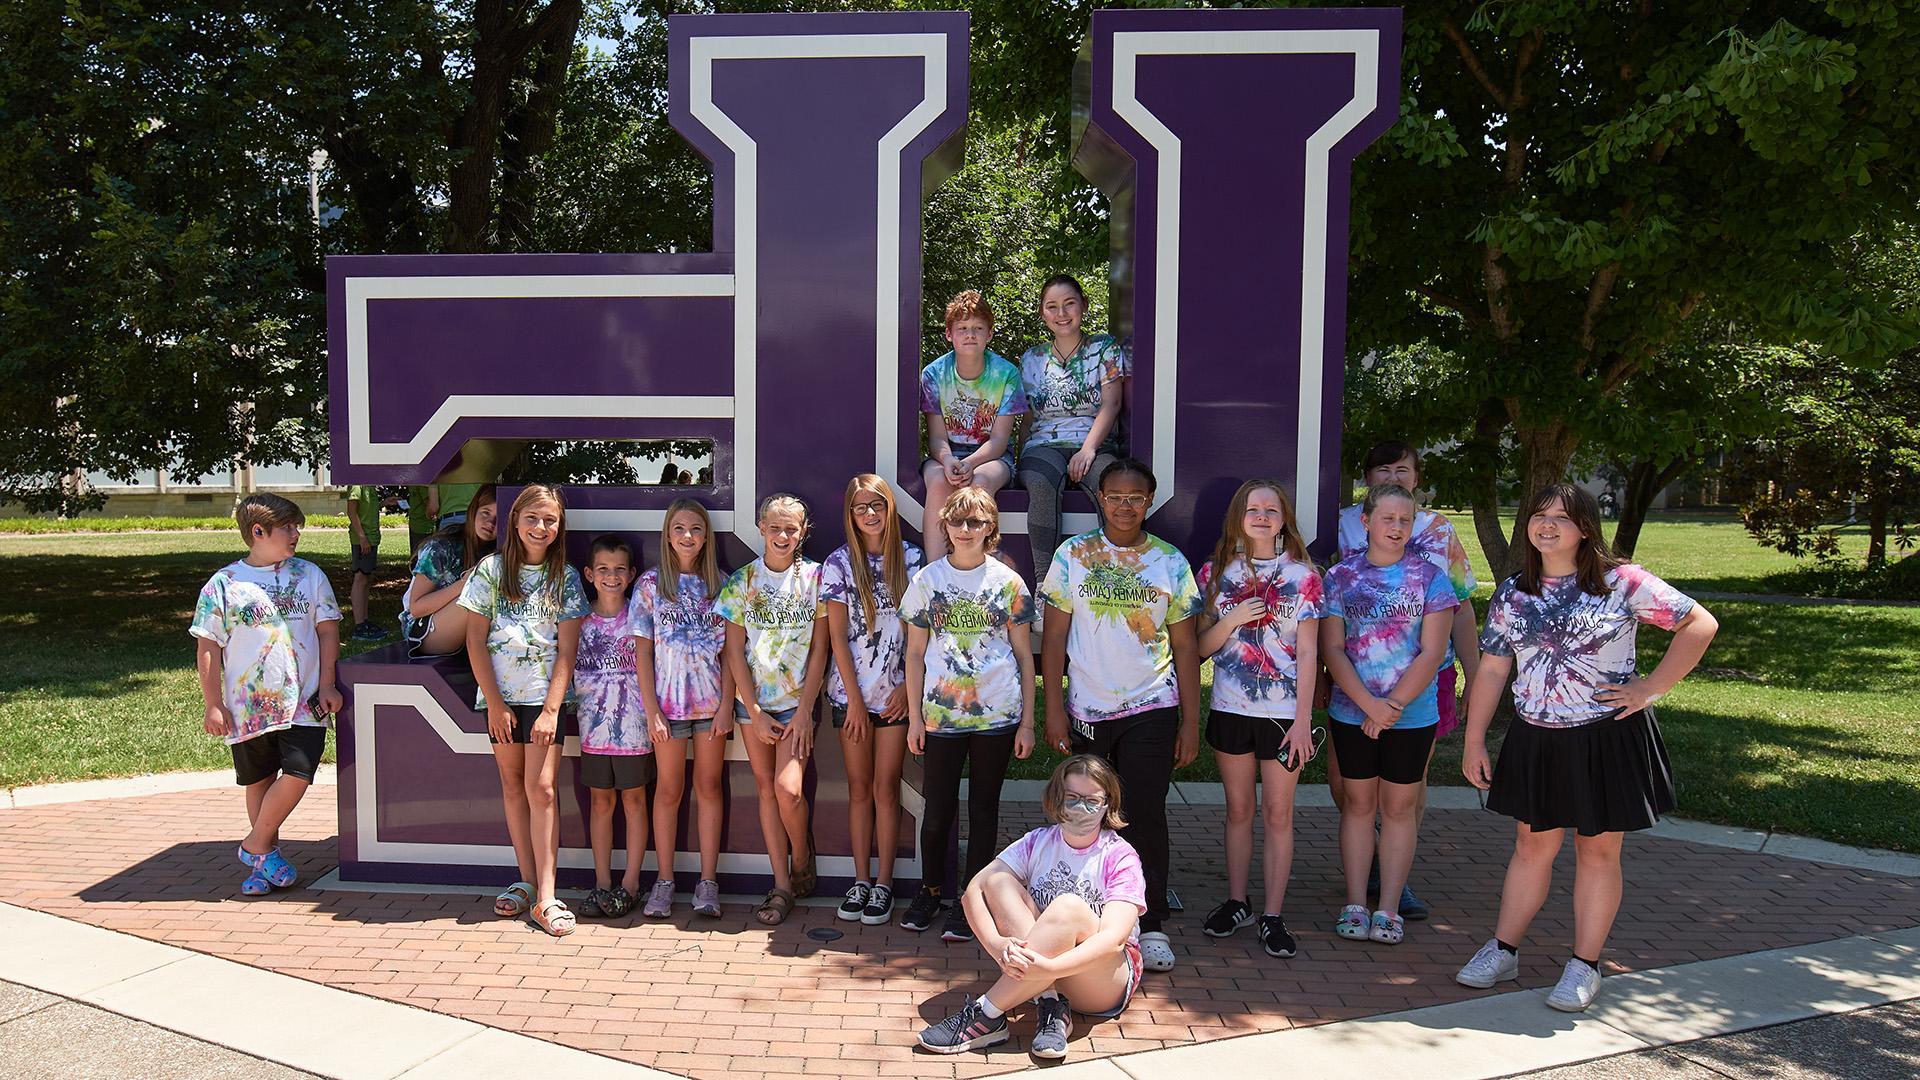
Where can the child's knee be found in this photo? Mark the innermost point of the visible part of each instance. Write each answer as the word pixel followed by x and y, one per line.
pixel 792 794
pixel 603 799
pixel 1239 808
pixel 705 787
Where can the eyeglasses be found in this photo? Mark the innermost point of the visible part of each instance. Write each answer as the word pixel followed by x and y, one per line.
pixel 972 524
pixel 1092 804
pixel 1129 502
pixel 864 509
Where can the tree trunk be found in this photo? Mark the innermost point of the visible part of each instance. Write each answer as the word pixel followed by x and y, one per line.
pixel 501 42
pixel 1879 503
pixel 1645 481
pixel 530 127
pixel 1484 458
pixel 1546 449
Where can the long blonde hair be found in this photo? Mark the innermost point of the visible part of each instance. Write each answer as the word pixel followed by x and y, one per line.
pixel 513 554
pixel 893 550
pixel 706 564
pixel 1233 534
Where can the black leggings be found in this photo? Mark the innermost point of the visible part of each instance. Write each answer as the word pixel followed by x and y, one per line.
pixel 1140 748
pixel 946 756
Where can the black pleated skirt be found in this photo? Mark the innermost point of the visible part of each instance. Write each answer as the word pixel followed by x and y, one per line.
pixel 1607 776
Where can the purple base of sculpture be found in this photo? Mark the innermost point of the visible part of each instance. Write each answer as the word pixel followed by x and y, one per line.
pixel 420 799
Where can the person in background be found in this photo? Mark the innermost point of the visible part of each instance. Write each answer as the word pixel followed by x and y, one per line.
pixel 363 538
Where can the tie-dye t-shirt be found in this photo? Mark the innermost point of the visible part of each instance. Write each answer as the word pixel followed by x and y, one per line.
pixel 613 719
pixel 777 611
pixel 1119 657
pixel 970 406
pixel 440 562
pixel 1104 872
pixel 880 650
pixel 266 621
pixel 1433 539
pixel 1382 607
pixel 1254 673
pixel 687 638
pixel 523 636
pixel 1567 644
pixel 1065 396
pixel 973 675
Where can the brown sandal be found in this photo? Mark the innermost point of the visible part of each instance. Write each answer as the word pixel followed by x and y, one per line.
pixel 553 917
pixel 775 908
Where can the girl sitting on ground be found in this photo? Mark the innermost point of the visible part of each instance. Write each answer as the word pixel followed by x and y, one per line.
pixel 1059 912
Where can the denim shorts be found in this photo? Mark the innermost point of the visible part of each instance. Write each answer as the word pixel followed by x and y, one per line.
pixel 783 717
pixel 684 729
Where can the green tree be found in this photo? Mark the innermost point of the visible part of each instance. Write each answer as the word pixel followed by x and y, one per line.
pixel 1572 184
pixel 1851 451
pixel 156 251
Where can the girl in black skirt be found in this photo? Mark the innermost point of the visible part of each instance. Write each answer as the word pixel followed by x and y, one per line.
pixel 1586 753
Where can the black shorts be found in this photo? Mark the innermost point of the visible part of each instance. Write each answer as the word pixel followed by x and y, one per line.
pixel 523 718
pixel 619 772
pixel 1236 733
pixel 293 751
pixel 368 563
pixel 873 718
pixel 1398 756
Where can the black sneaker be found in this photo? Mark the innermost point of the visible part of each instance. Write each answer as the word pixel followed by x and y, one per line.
pixel 367 631
pixel 879 909
pixel 924 909
pixel 1231 915
pixel 1274 937
pixel 1052 1024
pixel 968 1029
pixel 956 928
pixel 855 902
pixel 1412 908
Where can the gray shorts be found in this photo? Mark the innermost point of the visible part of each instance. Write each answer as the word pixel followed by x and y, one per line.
pixel 368 563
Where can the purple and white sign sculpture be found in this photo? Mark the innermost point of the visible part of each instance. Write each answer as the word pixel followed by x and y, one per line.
pixel 1224 140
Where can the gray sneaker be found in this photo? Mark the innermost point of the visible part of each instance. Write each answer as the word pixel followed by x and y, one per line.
pixel 1051 1026
pixel 968 1029
pixel 1492 964
pixel 659 901
pixel 706 899
pixel 1578 986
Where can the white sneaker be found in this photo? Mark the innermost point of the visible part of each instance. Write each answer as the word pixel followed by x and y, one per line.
pixel 1492 964
pixel 1156 951
pixel 1579 984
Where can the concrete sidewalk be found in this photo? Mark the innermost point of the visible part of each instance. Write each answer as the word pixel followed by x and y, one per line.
pixel 78 1000
pixel 1872 1044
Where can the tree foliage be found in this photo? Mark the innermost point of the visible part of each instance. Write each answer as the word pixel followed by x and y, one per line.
pixel 1573 184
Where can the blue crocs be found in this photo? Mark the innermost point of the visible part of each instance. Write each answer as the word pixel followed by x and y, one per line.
pixel 270 868
pixel 279 871
pixel 255 885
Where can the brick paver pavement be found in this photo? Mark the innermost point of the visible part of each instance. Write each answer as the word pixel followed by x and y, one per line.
pixel 708 998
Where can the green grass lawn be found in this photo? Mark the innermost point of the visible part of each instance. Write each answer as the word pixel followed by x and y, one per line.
pixel 1803 719
pixel 1712 551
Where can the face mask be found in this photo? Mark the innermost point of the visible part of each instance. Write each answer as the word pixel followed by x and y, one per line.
pixel 1079 820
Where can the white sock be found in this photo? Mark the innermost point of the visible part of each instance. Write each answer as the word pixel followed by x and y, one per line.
pixel 988 1009
pixel 864 884
pixel 1048 995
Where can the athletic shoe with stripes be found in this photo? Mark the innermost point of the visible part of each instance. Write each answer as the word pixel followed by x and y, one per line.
pixel 968 1029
